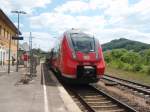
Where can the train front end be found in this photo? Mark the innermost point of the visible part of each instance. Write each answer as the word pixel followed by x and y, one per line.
pixel 84 62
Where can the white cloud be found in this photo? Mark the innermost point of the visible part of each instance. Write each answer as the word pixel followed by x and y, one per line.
pixel 59 22
pixel 110 7
pixel 73 7
pixel 142 7
pixel 117 10
pixel 26 5
pixel 98 4
pixel 6 5
pixel 81 6
pixel 77 6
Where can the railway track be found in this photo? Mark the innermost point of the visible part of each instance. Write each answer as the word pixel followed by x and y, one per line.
pixel 136 87
pixel 95 100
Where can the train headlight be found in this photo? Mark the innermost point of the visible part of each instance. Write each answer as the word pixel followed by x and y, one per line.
pixel 74 55
pixel 97 56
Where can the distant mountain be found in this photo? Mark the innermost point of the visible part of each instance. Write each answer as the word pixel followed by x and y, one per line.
pixel 126 44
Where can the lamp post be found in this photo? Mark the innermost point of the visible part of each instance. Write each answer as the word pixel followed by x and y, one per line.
pixel 18 32
pixel 9 55
pixel 31 55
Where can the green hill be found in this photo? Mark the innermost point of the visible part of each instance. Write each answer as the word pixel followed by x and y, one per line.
pixel 126 44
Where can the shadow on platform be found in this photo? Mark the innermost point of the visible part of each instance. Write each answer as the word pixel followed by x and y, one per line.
pixel 49 77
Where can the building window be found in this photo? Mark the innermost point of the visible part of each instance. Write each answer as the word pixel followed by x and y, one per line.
pixel 4 32
pixel 7 35
pixel 0 30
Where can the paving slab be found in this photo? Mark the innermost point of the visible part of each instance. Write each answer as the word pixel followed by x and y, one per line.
pixel 38 96
pixel 17 97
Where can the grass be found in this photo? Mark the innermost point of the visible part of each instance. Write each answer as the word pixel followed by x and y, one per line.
pixel 133 76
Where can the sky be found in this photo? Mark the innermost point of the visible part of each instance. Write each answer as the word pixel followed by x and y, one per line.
pixel 105 19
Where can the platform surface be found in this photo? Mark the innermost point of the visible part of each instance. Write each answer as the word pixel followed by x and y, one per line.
pixel 38 96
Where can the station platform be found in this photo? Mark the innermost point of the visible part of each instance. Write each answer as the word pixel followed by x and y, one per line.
pixel 43 94
pixel 4 69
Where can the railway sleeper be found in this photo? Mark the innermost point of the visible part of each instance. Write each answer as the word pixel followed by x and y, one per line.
pixel 95 99
pixel 100 103
pixel 116 110
pixel 104 102
pixel 105 107
pixel 89 96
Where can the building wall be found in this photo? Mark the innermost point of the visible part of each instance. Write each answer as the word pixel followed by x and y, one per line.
pixel 5 34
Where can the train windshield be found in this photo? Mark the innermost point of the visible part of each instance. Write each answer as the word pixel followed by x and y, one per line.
pixel 83 43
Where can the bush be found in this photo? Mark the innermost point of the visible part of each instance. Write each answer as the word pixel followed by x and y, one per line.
pixel 120 64
pixel 113 64
pixel 116 64
pixel 107 57
pixel 146 57
pixel 148 70
pixel 130 57
pixel 127 67
pixel 145 69
pixel 117 53
pixel 136 67
pixel 128 60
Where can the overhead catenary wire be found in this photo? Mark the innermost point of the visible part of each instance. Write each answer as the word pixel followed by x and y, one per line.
pixel 43 39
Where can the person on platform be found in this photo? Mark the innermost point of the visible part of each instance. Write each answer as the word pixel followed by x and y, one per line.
pixel 25 58
pixel 13 60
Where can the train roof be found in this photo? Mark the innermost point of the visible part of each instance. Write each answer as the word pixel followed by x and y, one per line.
pixel 77 31
pixel 71 31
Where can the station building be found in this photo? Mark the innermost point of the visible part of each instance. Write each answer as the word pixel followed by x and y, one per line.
pixel 7 30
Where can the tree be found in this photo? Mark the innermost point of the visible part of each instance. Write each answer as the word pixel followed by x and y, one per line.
pixel 107 56
pixel 130 57
pixel 117 53
pixel 146 56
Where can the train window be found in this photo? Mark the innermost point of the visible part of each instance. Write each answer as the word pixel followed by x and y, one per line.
pixel 83 43
pixel 55 51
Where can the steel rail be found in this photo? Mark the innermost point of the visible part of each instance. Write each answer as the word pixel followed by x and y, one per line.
pixel 105 95
pixel 83 102
pixel 136 83
pixel 129 85
pixel 121 104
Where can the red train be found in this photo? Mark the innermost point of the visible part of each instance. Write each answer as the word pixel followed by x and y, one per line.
pixel 78 57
